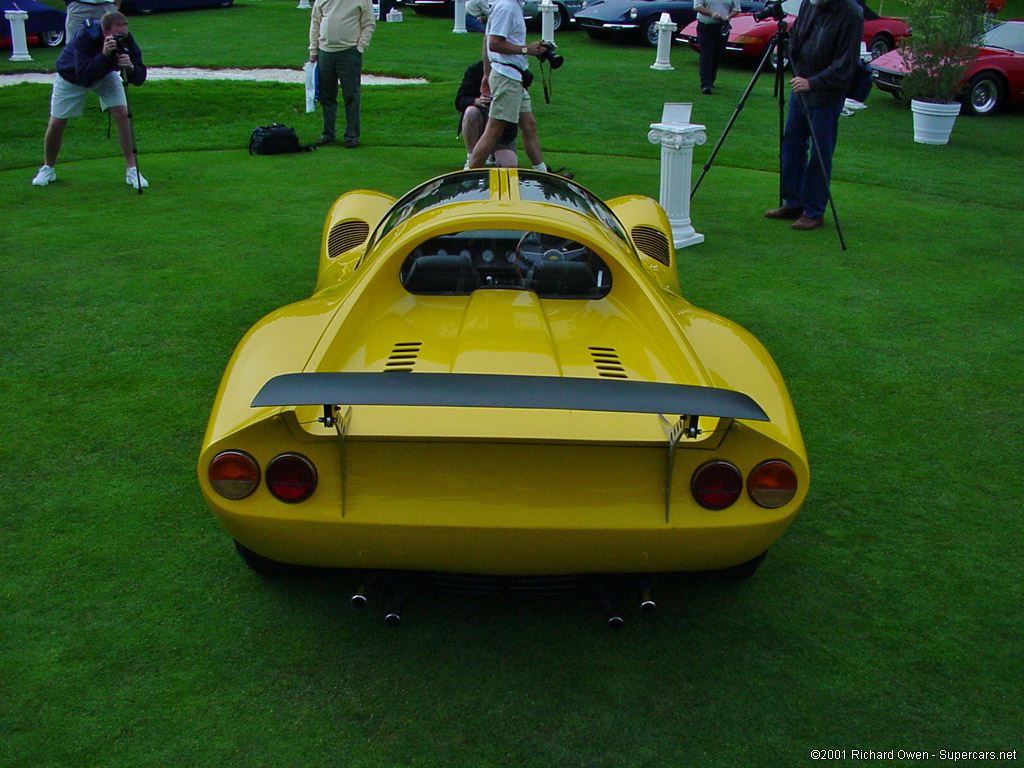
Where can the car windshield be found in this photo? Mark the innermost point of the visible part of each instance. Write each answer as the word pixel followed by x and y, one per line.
pixel 475 185
pixel 459 263
pixel 1009 35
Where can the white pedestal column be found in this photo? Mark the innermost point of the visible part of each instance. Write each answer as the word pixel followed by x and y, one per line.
pixel 304 4
pixel 665 29
pixel 547 20
pixel 460 17
pixel 677 141
pixel 19 43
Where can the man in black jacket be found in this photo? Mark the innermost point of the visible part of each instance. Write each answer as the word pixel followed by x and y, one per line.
pixel 824 50
pixel 93 61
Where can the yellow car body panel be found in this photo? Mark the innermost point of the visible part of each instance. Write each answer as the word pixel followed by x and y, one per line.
pixel 519 490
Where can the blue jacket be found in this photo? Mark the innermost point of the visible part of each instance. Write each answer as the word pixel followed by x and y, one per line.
pixel 82 61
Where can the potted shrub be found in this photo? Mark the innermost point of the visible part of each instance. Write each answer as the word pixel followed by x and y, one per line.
pixel 942 45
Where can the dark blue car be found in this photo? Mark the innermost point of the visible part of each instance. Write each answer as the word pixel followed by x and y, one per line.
pixel 634 20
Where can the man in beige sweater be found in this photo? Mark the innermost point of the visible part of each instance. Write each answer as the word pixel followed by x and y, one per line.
pixel 339 31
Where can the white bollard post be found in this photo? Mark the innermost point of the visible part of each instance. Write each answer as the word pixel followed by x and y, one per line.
pixel 547 20
pixel 460 17
pixel 677 137
pixel 304 4
pixel 665 30
pixel 19 43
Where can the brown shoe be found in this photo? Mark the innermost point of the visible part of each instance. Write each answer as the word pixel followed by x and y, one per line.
pixel 784 212
pixel 808 222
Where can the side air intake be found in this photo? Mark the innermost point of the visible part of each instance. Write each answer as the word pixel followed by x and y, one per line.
pixel 653 243
pixel 346 235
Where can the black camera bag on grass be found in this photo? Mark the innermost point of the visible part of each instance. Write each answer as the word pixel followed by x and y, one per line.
pixel 275 139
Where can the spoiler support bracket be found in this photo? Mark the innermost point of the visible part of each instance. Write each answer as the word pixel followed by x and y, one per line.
pixel 687 425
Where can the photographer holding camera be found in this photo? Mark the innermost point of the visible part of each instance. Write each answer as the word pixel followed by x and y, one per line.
pixel 94 60
pixel 509 78
pixel 824 51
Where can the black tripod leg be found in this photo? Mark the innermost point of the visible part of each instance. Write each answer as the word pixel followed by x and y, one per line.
pixel 131 130
pixel 736 113
pixel 825 175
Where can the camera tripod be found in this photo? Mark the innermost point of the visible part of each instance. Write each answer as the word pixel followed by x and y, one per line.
pixel 131 129
pixel 778 45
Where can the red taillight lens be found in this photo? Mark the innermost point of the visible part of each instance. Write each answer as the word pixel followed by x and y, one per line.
pixel 291 477
pixel 772 484
pixel 717 484
pixel 234 474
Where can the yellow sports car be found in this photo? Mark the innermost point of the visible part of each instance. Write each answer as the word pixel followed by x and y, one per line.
pixel 497 375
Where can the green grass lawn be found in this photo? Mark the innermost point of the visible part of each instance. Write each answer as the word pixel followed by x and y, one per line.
pixel 887 618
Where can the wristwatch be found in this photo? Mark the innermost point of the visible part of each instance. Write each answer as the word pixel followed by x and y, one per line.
pixel 524 50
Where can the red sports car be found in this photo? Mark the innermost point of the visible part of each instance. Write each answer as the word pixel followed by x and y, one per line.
pixel 995 78
pixel 749 38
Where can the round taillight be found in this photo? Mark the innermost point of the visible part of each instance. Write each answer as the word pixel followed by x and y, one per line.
pixel 772 484
pixel 717 484
pixel 234 474
pixel 291 477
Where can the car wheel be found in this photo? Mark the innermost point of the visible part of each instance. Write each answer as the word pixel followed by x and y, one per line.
pixel 262 565
pixel 880 44
pixel 53 38
pixel 651 32
pixel 984 94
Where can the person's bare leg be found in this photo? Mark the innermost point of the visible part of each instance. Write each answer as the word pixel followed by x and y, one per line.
pixel 488 141
pixel 124 134
pixel 53 140
pixel 531 143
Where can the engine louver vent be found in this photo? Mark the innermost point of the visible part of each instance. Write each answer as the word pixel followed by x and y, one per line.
pixel 607 362
pixel 346 235
pixel 403 356
pixel 651 242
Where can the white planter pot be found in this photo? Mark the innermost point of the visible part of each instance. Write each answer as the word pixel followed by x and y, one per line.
pixel 933 122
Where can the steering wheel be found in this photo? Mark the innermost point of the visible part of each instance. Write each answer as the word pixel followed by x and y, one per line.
pixel 534 247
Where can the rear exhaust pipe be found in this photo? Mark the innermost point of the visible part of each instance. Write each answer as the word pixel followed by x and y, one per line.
pixel 393 618
pixel 359 600
pixel 647 605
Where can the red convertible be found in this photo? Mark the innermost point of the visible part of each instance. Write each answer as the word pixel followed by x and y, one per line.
pixel 995 78
pixel 749 38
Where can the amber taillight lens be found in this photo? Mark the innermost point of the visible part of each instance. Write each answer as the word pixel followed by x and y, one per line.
pixel 772 484
pixel 716 485
pixel 291 477
pixel 234 474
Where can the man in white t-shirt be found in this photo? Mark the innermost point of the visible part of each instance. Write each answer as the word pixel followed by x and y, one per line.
pixel 510 100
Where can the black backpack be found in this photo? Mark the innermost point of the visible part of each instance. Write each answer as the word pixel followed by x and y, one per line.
pixel 275 139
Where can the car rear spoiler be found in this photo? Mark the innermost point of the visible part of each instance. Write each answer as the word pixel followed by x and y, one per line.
pixel 478 390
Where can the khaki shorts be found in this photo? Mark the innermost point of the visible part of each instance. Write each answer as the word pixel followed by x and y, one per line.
pixel 509 99
pixel 68 99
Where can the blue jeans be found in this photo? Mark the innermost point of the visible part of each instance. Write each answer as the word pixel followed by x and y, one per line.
pixel 345 67
pixel 803 183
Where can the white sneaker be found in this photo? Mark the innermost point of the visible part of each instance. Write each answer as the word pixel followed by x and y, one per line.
pixel 45 176
pixel 133 178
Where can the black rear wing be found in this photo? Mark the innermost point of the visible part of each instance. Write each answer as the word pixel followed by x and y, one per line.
pixel 478 390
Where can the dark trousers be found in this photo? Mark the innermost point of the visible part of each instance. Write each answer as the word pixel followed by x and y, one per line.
pixel 804 185
pixel 712 47
pixel 345 67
